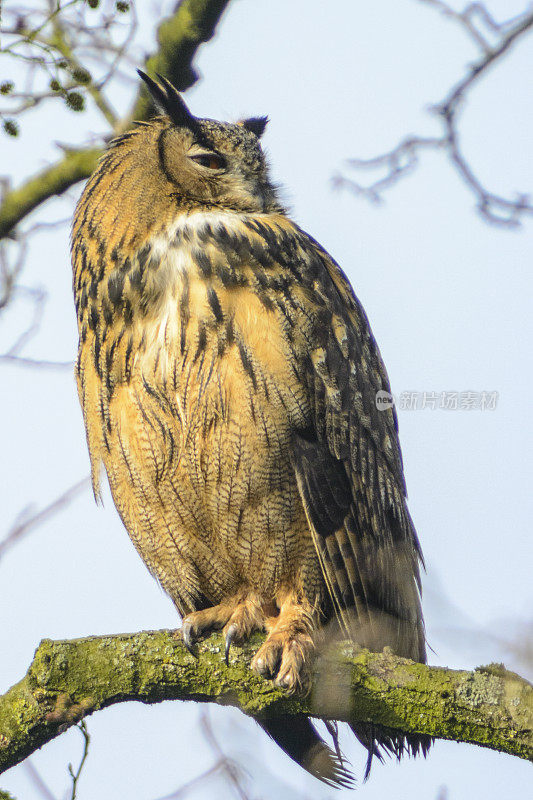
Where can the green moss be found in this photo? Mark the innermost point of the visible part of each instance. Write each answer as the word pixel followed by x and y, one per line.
pixel 178 38
pixel 497 669
pixel 75 166
pixel 68 680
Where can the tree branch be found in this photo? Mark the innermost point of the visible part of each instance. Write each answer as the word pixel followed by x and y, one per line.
pixel 26 523
pixel 54 180
pixel 404 157
pixel 179 38
pixel 68 680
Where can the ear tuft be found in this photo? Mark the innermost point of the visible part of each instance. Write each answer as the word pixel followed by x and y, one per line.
pixel 256 125
pixel 169 100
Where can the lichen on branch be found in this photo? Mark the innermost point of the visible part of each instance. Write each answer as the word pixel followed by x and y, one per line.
pixel 54 180
pixel 69 680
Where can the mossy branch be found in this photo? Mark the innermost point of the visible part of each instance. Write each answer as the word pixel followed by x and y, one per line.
pixel 73 167
pixel 178 40
pixel 179 37
pixel 68 680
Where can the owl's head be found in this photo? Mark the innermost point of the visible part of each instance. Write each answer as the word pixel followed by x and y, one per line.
pixel 209 162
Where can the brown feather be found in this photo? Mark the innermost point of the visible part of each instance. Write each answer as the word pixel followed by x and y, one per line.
pixel 227 376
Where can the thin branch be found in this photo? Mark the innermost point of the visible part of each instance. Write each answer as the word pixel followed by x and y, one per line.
pixel 31 35
pixel 470 19
pixel 450 103
pixel 187 787
pixel 39 227
pixel 229 768
pixel 39 299
pixel 225 766
pixel 404 157
pixel 397 163
pixel 76 775
pixel 179 38
pixel 24 524
pixel 36 778
pixel 73 167
pixel 68 680
pixel 35 363
pixel 9 275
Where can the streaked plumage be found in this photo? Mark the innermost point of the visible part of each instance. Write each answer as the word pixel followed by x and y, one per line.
pixel 228 377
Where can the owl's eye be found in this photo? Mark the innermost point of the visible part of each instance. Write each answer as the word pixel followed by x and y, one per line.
pixel 209 160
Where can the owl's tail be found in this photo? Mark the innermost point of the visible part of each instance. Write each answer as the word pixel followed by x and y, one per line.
pixel 298 737
pixel 380 742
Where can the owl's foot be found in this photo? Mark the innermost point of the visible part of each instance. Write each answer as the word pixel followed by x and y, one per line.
pixel 238 617
pixel 287 654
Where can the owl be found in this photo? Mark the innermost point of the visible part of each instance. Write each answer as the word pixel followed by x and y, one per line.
pixel 228 379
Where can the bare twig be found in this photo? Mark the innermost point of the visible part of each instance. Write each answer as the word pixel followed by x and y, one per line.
pixel 76 775
pixel 404 157
pixel 12 356
pixel 39 298
pixel 190 785
pixel 45 226
pixel 232 771
pixel 472 18
pixel 25 523
pixel 37 780
pixel 35 363
pixel 397 163
pixel 9 275
pixel 224 766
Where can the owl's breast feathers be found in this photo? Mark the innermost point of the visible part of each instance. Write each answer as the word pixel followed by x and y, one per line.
pixel 227 371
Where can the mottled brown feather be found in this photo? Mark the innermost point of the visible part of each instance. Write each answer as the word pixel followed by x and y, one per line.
pixel 228 376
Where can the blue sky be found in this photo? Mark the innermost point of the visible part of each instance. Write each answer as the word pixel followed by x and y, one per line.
pixel 448 298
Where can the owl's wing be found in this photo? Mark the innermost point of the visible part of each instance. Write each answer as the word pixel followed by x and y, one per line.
pixel 349 471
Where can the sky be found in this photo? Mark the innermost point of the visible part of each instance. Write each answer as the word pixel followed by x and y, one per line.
pixel 448 298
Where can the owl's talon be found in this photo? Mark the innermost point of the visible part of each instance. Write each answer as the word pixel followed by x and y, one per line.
pixel 266 661
pixel 238 616
pixel 288 650
pixel 284 682
pixel 188 638
pixel 292 681
pixel 260 666
pixel 231 635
